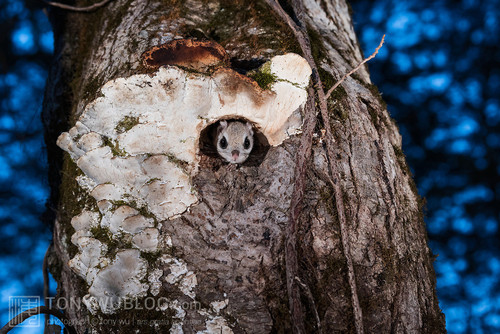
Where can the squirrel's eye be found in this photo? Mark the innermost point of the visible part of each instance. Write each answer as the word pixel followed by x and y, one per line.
pixel 246 144
pixel 223 143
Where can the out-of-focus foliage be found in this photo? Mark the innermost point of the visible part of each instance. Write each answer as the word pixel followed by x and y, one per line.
pixel 439 72
pixel 26 46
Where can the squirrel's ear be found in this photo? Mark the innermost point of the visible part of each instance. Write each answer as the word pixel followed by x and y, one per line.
pixel 250 127
pixel 222 126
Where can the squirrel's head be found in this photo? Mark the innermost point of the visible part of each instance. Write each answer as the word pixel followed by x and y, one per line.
pixel 234 141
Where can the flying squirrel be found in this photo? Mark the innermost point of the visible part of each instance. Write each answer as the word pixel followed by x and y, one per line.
pixel 234 141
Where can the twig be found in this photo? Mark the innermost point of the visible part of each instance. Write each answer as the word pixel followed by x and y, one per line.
pixel 355 69
pixel 77 9
pixel 35 311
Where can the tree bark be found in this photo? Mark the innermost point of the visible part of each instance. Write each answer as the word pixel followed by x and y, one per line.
pixel 232 243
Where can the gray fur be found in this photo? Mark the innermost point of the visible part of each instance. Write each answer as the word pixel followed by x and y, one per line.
pixel 234 133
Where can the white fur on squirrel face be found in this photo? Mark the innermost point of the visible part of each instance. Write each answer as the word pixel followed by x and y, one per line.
pixel 235 134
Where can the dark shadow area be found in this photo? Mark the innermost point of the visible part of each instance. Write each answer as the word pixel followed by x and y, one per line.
pixel 243 66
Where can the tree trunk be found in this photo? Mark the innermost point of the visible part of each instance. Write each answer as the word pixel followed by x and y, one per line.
pixel 213 259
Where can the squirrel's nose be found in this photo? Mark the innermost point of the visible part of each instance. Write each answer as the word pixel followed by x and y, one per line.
pixel 235 154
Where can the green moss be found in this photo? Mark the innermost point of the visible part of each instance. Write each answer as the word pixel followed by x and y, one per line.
pixel 151 257
pixel 126 123
pixel 75 200
pixel 92 89
pixel 100 233
pixel 217 27
pixel 84 47
pixel 117 204
pixel 401 159
pixel 146 213
pixel 91 27
pixel 336 103
pixel 356 77
pixel 334 274
pixel 339 94
pixel 114 243
pixel 376 93
pixel 105 236
pixel 433 323
pixel 180 163
pixel 377 116
pixel 115 147
pixel 152 180
pixel 265 80
pixel 369 304
pixel 373 115
pixel 231 320
pixel 340 114
pixel 386 278
pixel 263 76
pixel 317 49
pixel 389 260
pixel 326 79
pixel 335 267
pixel 133 204
pixel 345 197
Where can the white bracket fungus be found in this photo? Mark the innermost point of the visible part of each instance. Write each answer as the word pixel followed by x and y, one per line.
pixel 138 144
pixel 119 280
pixel 139 141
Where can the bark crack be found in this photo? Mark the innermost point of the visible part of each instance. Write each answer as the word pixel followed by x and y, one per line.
pixel 391 203
pixel 354 181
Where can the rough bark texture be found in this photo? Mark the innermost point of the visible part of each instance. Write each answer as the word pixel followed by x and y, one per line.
pixel 234 240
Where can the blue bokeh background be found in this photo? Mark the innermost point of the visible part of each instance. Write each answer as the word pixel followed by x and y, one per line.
pixel 439 73
pixel 26 43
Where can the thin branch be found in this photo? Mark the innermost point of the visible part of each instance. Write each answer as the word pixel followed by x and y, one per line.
pixel 77 9
pixel 36 311
pixel 355 69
